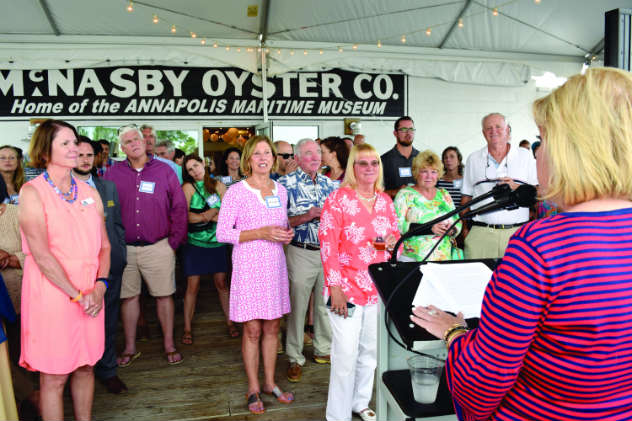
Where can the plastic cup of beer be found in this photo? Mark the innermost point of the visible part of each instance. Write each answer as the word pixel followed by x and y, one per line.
pixel 425 373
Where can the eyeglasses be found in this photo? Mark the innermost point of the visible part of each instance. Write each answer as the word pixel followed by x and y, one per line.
pixel 286 155
pixel 367 164
pixel 127 127
pixel 406 130
pixel 494 174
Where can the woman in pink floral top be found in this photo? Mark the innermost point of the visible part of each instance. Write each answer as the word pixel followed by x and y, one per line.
pixel 358 226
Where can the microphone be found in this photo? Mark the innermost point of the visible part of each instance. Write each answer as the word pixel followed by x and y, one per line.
pixel 523 196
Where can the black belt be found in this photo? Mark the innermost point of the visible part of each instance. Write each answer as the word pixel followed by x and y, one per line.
pixel 306 246
pixel 143 243
pixel 497 226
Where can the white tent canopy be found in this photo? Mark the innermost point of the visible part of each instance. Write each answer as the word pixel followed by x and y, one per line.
pixel 470 41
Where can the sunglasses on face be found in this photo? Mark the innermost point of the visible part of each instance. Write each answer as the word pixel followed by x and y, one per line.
pixel 366 164
pixel 286 155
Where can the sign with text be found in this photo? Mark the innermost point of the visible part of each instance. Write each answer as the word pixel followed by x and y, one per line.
pixel 195 92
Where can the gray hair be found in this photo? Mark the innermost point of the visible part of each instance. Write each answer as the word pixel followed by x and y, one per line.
pixel 491 114
pixel 167 144
pixel 299 145
pixel 128 128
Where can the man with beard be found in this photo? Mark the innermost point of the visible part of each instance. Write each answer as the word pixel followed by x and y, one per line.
pixel 398 162
pixel 105 369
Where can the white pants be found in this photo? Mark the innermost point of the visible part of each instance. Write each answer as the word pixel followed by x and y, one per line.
pixel 353 362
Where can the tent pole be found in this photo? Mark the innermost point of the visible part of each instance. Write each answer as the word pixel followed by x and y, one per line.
pixel 264 82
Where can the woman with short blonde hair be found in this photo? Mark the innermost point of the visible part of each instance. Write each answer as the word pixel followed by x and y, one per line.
pixel 554 336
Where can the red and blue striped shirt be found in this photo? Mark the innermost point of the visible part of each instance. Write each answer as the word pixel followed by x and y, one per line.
pixel 555 335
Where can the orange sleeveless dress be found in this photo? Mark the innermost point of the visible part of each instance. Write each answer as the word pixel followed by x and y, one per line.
pixel 57 336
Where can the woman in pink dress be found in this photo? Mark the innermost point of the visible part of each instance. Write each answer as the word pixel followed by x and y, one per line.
pixel 358 226
pixel 65 273
pixel 253 217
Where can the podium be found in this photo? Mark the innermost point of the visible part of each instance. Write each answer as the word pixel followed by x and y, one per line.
pixel 394 395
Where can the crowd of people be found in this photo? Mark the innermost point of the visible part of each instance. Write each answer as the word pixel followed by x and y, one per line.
pixel 287 233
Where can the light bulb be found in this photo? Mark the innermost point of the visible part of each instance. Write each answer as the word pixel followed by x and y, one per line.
pixel 292 52
pixel 278 51
pixel 379 44
pixel 155 19
pixel 214 45
pixel 340 50
pixel 130 7
pixel 173 29
pixel 537 1
pixel 355 46
pixel 460 23
pixel 304 52
pixel 203 42
pixel 193 35
pixel 429 31
pixel 321 52
pixel 495 11
pixel 403 39
pixel 228 48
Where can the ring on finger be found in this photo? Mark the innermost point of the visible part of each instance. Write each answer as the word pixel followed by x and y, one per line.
pixel 431 312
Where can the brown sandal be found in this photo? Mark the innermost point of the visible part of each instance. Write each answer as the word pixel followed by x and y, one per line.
pixel 255 404
pixel 187 338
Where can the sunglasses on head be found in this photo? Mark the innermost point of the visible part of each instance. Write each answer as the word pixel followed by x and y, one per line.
pixel 286 155
pixel 127 127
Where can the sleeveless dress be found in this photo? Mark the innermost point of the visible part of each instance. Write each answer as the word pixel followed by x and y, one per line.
pixel 57 336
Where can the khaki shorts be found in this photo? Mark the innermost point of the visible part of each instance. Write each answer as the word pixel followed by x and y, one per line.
pixel 156 264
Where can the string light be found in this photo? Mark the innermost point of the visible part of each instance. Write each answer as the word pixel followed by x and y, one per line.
pixel 278 51
pixel 292 52
pixel 259 49
pixel 340 50
pixel 304 52
pixel 355 46
pixel 130 6
pixel 321 52
pixel 267 50
pixel 155 19
pixel 429 31
pixel 379 44
pixel 537 1
pixel 214 45
pixel 495 11
pixel 403 39
pixel 250 50
pixel 203 42
pixel 173 29
pixel 239 50
pixel 228 48
pixel 460 23
pixel 193 35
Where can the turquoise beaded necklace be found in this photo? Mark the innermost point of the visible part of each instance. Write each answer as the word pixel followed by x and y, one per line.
pixel 69 197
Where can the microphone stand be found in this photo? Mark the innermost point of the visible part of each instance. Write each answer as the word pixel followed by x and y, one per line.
pixel 499 190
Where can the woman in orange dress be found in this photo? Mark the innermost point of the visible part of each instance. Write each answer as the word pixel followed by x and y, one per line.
pixel 65 273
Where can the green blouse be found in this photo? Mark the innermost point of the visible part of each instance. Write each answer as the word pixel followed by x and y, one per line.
pixel 424 210
pixel 207 237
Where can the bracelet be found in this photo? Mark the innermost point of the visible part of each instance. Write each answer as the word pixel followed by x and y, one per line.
pixel 105 281
pixel 451 329
pixel 77 298
pixel 455 334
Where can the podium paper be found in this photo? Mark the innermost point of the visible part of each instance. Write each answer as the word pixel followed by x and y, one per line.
pixel 453 287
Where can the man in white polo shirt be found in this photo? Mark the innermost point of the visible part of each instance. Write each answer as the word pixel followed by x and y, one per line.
pixel 498 162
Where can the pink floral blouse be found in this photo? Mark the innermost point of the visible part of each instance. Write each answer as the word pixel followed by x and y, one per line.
pixel 346 234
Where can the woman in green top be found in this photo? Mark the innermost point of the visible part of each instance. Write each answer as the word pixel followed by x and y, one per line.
pixel 423 202
pixel 203 254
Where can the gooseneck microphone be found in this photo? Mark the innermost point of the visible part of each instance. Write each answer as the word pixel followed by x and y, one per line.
pixel 522 197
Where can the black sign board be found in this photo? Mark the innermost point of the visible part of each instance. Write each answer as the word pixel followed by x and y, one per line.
pixel 198 92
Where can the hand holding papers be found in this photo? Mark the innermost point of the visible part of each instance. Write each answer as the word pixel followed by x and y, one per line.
pixel 456 287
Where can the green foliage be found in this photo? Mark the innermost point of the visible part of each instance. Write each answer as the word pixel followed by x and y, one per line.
pixel 181 139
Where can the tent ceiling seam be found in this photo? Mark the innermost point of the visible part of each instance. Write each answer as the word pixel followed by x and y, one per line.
pixel 534 27
pixel 455 23
pixel 49 17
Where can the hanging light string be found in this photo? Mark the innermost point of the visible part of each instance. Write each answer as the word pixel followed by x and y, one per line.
pixel 402 38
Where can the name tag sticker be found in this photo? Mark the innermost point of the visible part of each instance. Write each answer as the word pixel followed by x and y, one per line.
pixel 226 179
pixel 147 187
pixel 458 183
pixel 88 201
pixel 405 172
pixel 110 203
pixel 273 202
pixel 213 200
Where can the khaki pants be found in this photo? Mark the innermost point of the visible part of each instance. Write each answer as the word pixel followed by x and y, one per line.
pixel 487 243
pixel 305 271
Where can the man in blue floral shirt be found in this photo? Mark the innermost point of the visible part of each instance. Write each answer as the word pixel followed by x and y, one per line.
pixel 306 191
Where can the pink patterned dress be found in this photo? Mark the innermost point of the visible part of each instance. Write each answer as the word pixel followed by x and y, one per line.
pixel 259 287
pixel 57 336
